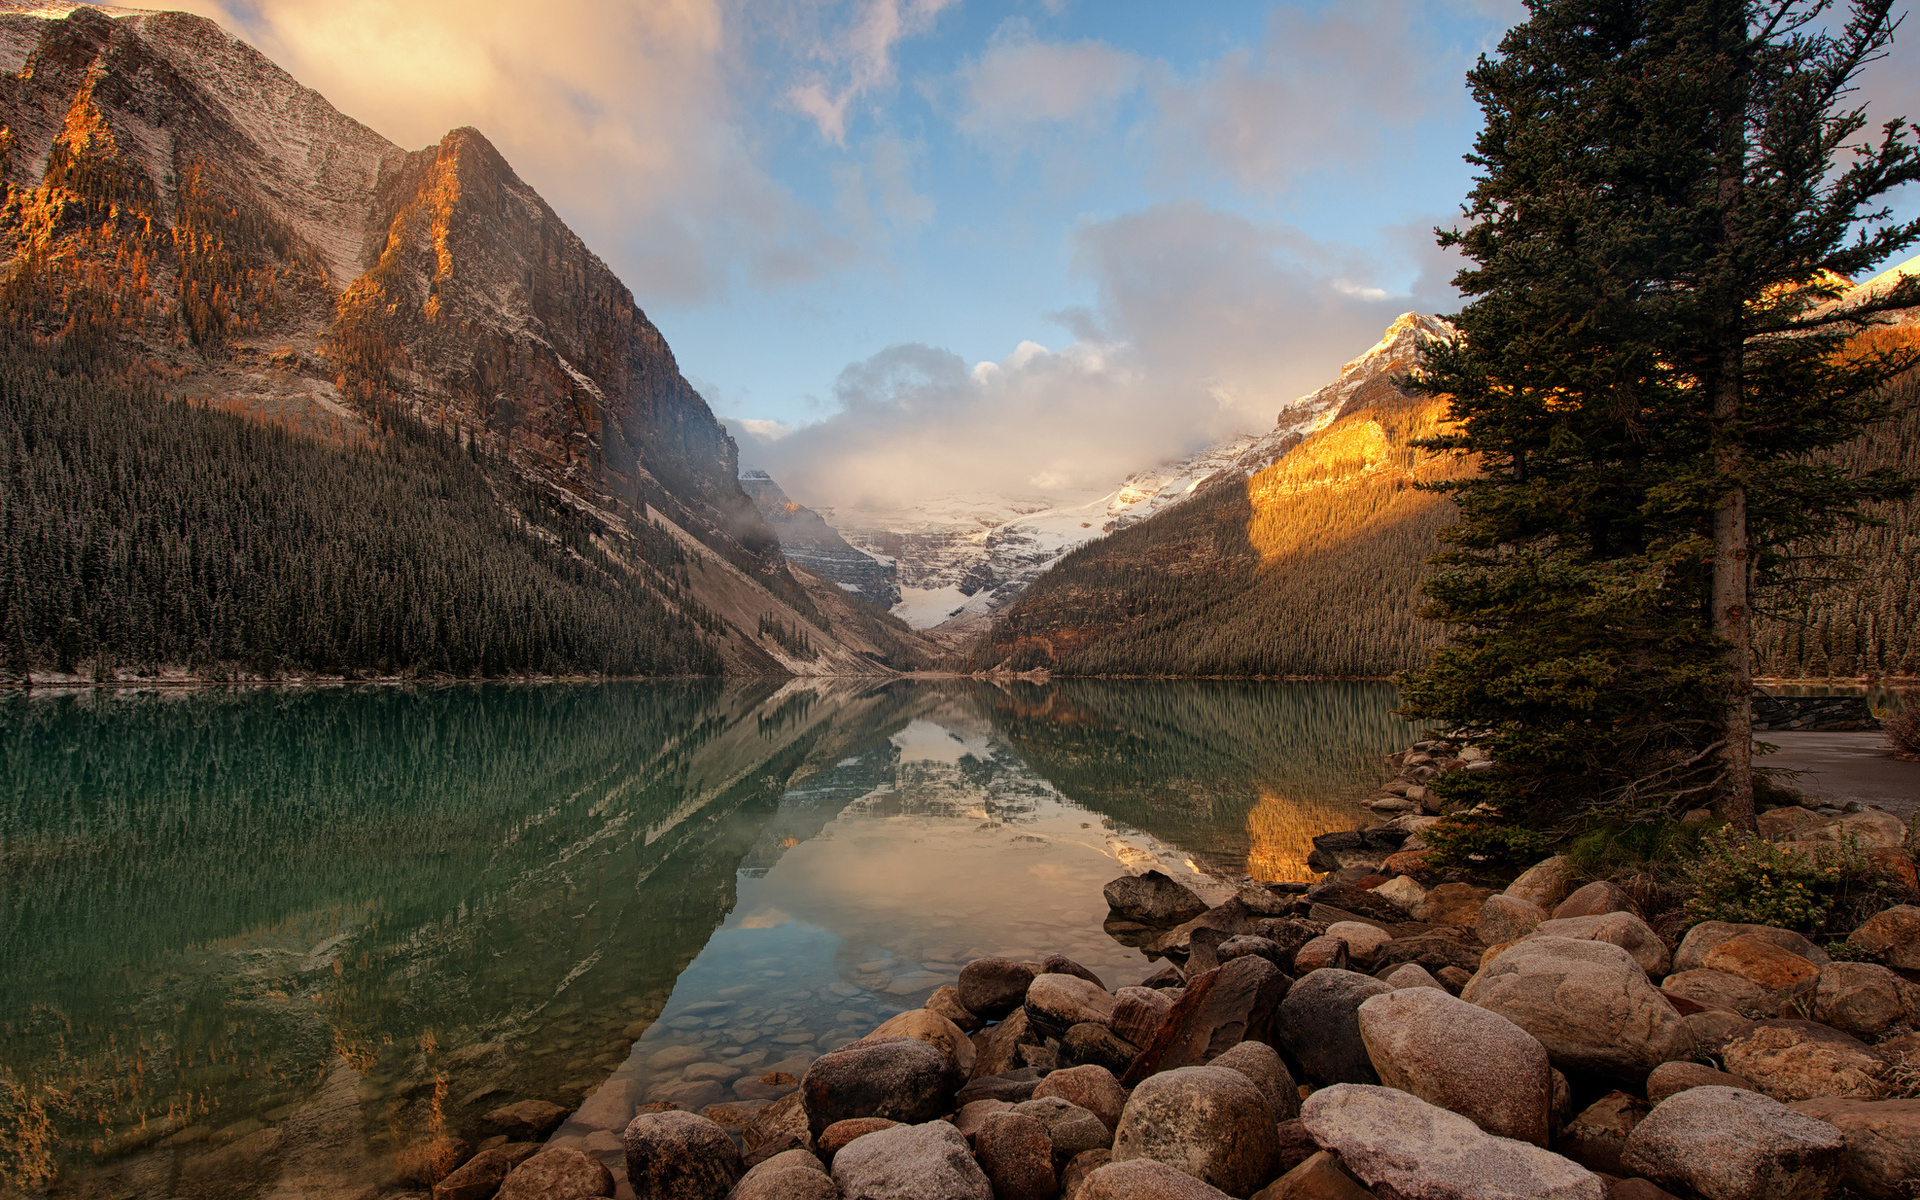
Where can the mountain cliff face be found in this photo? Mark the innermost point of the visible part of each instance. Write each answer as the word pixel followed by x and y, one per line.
pixel 181 212
pixel 809 541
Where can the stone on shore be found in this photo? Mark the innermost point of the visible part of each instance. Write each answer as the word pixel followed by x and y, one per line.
pixel 1093 1088
pixel 973 1114
pixel 1324 953
pixel 1456 904
pixel 1320 1177
pixel 1894 935
pixel 1072 1128
pixel 480 1176
pixel 1153 899
pixel 1060 964
pixel 902 1079
pixel 1138 1013
pixel 1622 929
pixel 1864 999
pixel 679 1156
pixel 1588 1003
pixel 1083 1164
pixel 1543 885
pixel 1229 920
pixel 1800 1060
pixel 1464 1058
pixel 1731 1144
pixel 993 987
pixel 841 1134
pixel 1507 918
pixel 1594 899
pixel 1088 1044
pixel 789 1175
pixel 1016 1155
pixel 558 1174
pixel 1363 940
pixel 1881 1159
pixel 1320 1025
pixel 1671 1078
pixel 531 1120
pixel 1145 1179
pixel 946 1002
pixel 910 1162
pixel 997 1048
pixel 1761 961
pixel 1705 937
pixel 1219 1009
pixel 1056 1003
pixel 1261 1063
pixel 930 1027
pixel 1213 1123
pixel 1437 952
pixel 1597 1137
pixel 1719 989
pixel 1410 975
pixel 1399 1145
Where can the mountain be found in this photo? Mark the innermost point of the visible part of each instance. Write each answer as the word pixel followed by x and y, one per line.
pixel 184 219
pixel 807 539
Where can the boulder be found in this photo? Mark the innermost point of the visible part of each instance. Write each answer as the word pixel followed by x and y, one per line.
pixel 1220 1008
pixel 911 1162
pixel 1319 1024
pixel 839 1135
pixel 1778 823
pixel 1408 975
pixel 1016 1155
pixel 1358 901
pixel 1088 1044
pixel 1145 1179
pixel 1703 938
pixel 1213 1123
pixel 1290 933
pixel 1764 963
pixel 1622 929
pixel 996 1048
pixel 927 1026
pixel 1869 829
pixel 1674 1077
pixel 1320 1177
pixel 945 1001
pixel 779 1126
pixel 1588 1003
pixel 679 1156
pixel 993 987
pixel 1455 904
pixel 1248 943
pixel 1800 1060
pixel 1013 1086
pixel 1363 941
pixel 1731 1144
pixel 1436 952
pixel 1073 1129
pixel 528 1120
pixel 1083 1164
pixel 480 1176
pixel 558 1174
pixel 1056 1003
pixel 1863 998
pixel 1093 1088
pixel 1296 1144
pixel 1597 1138
pixel 789 1175
pixel 1326 952
pixel 902 1079
pixel 973 1114
pixel 1230 919
pixel 1594 899
pixel 1404 893
pixel 1399 1145
pixel 1894 935
pixel 1461 1057
pixel 1138 1013
pixel 1060 964
pixel 1261 1063
pixel 1881 1158
pixel 1545 884
pixel 1718 989
pixel 1505 918
pixel 1153 899
pixel 1263 901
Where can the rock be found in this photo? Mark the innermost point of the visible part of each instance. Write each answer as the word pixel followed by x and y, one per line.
pixel 1594 899
pixel 1674 1077
pixel 1543 885
pixel 1221 1008
pixel 993 987
pixel 1640 1189
pixel 1778 823
pixel 1408 975
pixel 1060 964
pixel 1145 1179
pixel 480 1176
pixel 1588 1003
pixel 1013 1086
pixel 1406 862
pixel 902 1079
pixel 1704 937
pixel 1229 919
pixel 1436 952
pixel 1710 1026
pixel 1088 1044
pixel 837 1136
pixel 1505 918
pixel 973 1114
pixel 1881 1158
pixel 1799 1060
pixel 1364 902
pixel 1455 904
pixel 676 1155
pixel 1016 1155
pixel 1732 1144
pixel 1454 979
pixel 930 1027
pixel 1320 1177
pixel 529 1120
pixel 771 1086
pixel 1894 935
pixel 1211 1122
pixel 1153 899
pixel 1404 893
pixel 693 1093
pixel 1323 953
pixel 1248 943
pixel 1072 1128
pixel 1363 941
pixel 945 1001
pixel 1138 1013
pixel 1399 1145
pixel 1261 1063
pixel 996 1048
pixel 1904 1049
pixel 1263 901
pixel 1461 1057
pixel 1093 1088
pixel 1862 998
pixel 1763 963
pixel 1041 1058
pixel 1718 989
pixel 1320 1026
pixel 910 1162
pixel 1082 1165
pixel 789 1175
pixel 1597 1138
pixel 1622 929
pixel 779 1126
pixel 1296 1144
pixel 1870 829
pixel 558 1174
pixel 1056 1003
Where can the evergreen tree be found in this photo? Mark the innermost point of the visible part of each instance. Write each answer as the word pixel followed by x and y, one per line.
pixel 1650 362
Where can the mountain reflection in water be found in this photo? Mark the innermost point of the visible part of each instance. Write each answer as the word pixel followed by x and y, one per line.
pixel 262 942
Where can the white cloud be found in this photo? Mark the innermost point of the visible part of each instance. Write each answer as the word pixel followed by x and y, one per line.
pixel 1020 83
pixel 859 60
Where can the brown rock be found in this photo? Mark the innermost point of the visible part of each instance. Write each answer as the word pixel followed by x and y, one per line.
pixel 1016 1154
pixel 1763 963
pixel 1230 919
pixel 558 1174
pixel 1597 1138
pixel 529 1120
pixel 930 1027
pixel 1434 951
pixel 835 1136
pixel 1703 938
pixel 974 1113
pixel 1800 1060
pixel 1138 1013
pixel 1145 1179
pixel 1545 884
pixel 1462 1058
pixel 946 1002
pixel 1210 1122
pixel 1894 935
pixel 1088 1044
pixel 782 1123
pixel 1079 1167
pixel 1093 1088
pixel 1455 904
pixel 480 1176
pixel 1322 953
pixel 1594 899
pixel 790 1175
pixel 1671 1077
pixel 1320 1177
pixel 1882 1155
pixel 1506 918
pixel 996 1048
pixel 1296 1144
pixel 1778 823
pixel 1453 978
pixel 1060 964
pixel 902 1079
pixel 1261 1063
pixel 993 987
pixel 1637 1189
pixel 1153 899
pixel 1719 989
pixel 1220 1008
pixel 679 1156
pixel 1056 1003
pixel 1622 929
pixel 1863 999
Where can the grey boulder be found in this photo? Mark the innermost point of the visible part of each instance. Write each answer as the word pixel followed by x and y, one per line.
pixel 1261 1063
pixel 1319 1025
pixel 789 1175
pixel 910 1162
pixel 1153 899
pixel 1213 1123
pixel 1731 1144
pixel 901 1079
pixel 1464 1058
pixel 1145 1179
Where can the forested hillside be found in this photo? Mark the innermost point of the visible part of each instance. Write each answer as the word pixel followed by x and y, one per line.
pixel 142 532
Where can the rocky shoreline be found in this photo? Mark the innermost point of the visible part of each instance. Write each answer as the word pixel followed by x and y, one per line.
pixel 1386 1032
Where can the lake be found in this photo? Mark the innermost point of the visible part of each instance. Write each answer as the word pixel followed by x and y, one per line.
pixel 286 942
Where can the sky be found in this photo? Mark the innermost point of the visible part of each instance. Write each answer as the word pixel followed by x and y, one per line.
pixel 911 249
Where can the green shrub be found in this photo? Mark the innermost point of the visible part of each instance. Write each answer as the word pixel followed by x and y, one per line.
pixel 1846 951
pixel 1467 843
pixel 1659 846
pixel 1809 887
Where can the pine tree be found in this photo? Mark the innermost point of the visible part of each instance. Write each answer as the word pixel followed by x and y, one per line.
pixel 1649 361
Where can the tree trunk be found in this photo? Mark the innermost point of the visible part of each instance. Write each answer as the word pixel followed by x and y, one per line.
pixel 1732 612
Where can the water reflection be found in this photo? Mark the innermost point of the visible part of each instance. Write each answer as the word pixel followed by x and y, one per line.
pixel 295 938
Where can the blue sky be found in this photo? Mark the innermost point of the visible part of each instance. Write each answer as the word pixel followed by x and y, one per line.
pixel 911 248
